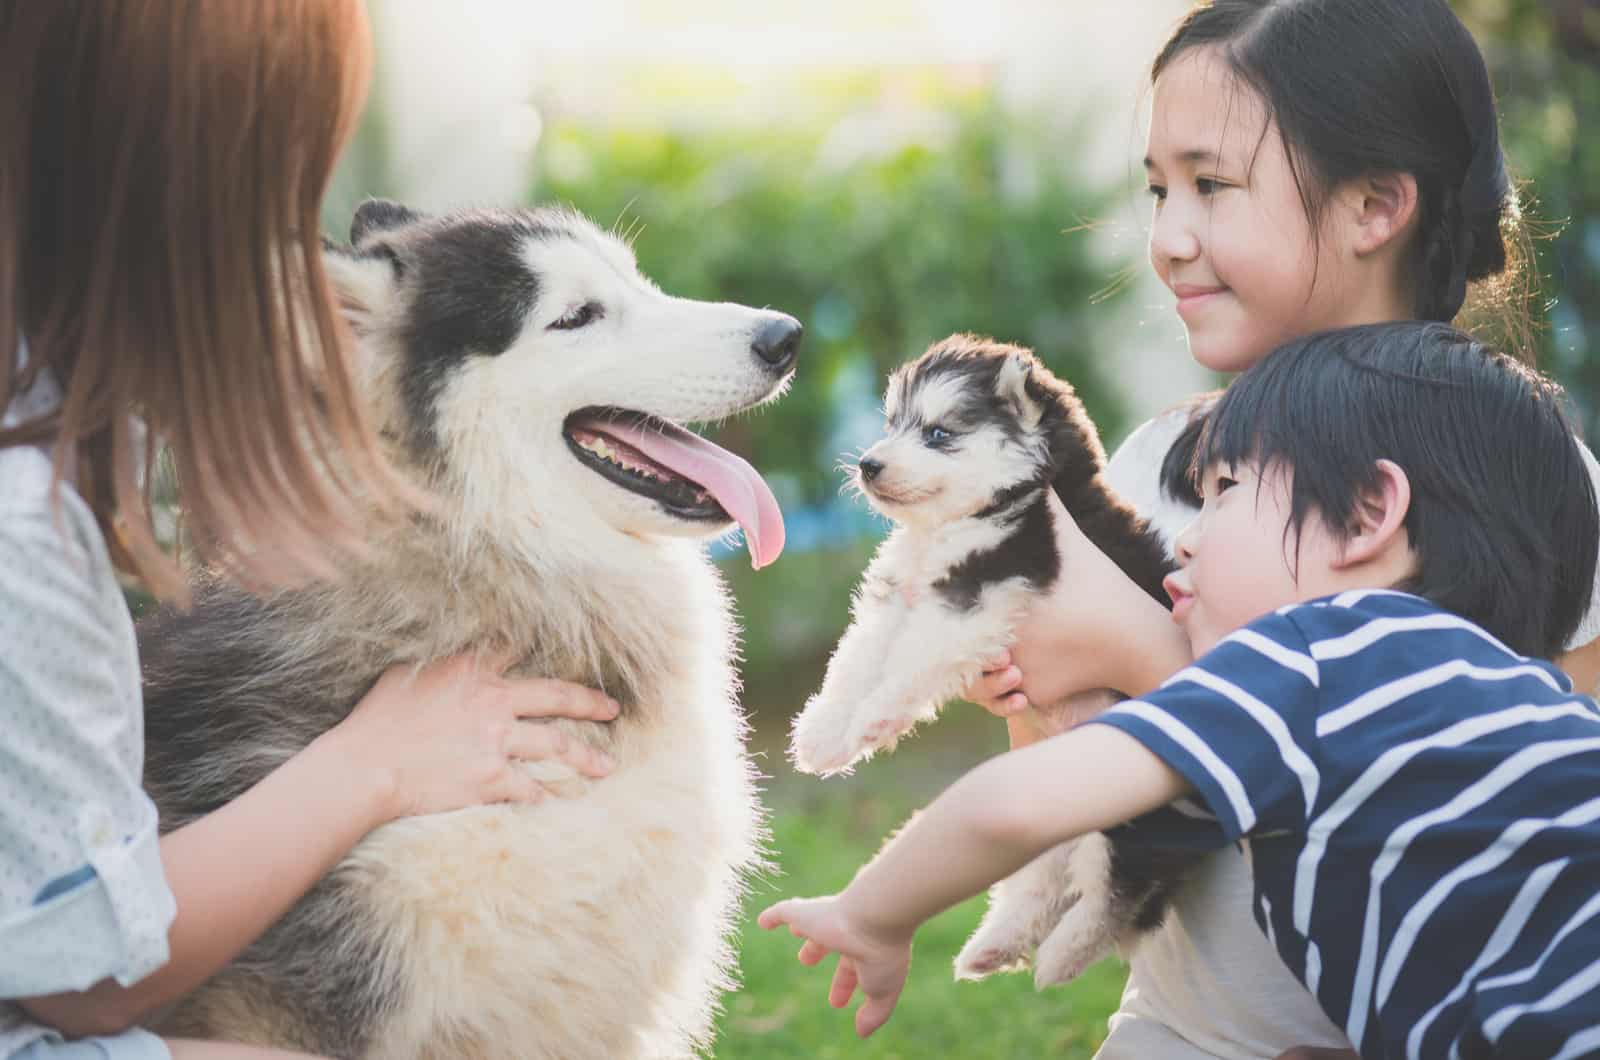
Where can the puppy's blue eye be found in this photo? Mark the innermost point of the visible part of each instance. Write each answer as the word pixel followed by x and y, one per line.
pixel 934 434
pixel 577 317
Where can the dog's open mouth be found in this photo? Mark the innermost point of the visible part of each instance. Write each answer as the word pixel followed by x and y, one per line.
pixel 682 472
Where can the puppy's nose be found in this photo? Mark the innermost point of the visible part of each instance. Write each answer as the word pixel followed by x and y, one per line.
pixel 870 468
pixel 777 342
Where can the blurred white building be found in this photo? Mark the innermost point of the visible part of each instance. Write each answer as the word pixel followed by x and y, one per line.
pixel 466 87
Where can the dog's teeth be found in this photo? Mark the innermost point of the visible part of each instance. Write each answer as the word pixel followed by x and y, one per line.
pixel 598 447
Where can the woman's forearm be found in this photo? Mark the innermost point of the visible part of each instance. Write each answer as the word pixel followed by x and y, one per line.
pixel 234 872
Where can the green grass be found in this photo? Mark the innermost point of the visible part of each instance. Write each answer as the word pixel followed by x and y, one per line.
pixel 822 831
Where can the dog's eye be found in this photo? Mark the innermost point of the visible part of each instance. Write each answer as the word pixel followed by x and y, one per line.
pixel 577 317
pixel 934 434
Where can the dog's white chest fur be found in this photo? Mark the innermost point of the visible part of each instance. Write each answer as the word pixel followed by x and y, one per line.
pixel 632 909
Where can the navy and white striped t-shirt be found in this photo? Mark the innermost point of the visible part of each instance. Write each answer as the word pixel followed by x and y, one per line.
pixel 1423 813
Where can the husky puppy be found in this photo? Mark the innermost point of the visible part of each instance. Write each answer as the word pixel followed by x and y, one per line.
pixel 977 433
pixel 527 374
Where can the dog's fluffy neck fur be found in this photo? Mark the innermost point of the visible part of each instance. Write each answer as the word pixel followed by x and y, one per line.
pixel 541 604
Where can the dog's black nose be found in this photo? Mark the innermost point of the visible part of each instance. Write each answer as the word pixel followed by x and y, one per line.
pixel 870 468
pixel 777 342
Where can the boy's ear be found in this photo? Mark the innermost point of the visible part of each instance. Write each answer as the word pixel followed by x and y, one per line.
pixel 1380 518
pixel 1012 387
pixel 1383 208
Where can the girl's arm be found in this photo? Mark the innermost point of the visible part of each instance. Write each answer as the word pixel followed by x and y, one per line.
pixel 990 823
pixel 1094 629
pixel 438 740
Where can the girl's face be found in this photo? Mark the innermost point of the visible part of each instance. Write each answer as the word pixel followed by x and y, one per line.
pixel 1230 237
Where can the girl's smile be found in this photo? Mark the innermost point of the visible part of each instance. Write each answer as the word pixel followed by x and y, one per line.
pixel 1193 298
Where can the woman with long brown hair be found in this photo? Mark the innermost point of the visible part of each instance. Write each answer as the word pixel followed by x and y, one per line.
pixel 162 168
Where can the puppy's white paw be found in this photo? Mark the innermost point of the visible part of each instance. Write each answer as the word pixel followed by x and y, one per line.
pixel 828 740
pixel 1078 941
pixel 980 961
pixel 883 733
pixel 1002 943
pixel 826 737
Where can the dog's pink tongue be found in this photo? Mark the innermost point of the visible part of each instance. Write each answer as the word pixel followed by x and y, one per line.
pixel 737 486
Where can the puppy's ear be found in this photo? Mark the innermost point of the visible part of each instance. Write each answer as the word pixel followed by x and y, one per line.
pixel 1011 385
pixel 365 284
pixel 379 215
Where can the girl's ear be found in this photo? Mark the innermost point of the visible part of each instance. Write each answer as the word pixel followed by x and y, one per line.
pixel 1383 209
pixel 1380 519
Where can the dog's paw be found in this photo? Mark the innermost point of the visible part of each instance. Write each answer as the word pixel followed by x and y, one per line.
pixel 884 733
pixel 822 741
pixel 994 947
pixel 827 740
pixel 1077 943
pixel 982 963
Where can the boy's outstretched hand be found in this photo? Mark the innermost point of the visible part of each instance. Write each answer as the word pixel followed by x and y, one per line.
pixel 877 965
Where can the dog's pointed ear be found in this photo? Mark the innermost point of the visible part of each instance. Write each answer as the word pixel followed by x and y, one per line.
pixel 1011 385
pixel 365 284
pixel 379 215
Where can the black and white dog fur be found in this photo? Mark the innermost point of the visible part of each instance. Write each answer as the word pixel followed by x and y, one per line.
pixel 977 431
pixel 524 371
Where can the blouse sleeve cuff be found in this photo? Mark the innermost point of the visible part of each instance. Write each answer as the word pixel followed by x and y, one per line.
pixel 108 918
pixel 137 897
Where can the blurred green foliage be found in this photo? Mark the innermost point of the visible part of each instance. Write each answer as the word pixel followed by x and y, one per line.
pixel 1544 57
pixel 878 254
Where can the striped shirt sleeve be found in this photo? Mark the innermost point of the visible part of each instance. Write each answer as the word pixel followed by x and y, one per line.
pixel 1239 724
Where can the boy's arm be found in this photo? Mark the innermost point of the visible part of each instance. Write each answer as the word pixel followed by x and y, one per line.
pixel 1002 815
pixel 990 823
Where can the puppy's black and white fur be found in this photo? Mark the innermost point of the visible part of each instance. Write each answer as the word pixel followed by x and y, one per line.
pixel 977 434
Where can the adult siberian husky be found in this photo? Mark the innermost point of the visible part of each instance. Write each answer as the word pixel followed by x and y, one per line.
pixel 528 374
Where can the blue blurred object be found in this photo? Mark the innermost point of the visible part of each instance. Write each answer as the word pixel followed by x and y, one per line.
pixel 814 527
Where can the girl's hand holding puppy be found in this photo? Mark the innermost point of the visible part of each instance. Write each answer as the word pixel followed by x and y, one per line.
pixel 1077 637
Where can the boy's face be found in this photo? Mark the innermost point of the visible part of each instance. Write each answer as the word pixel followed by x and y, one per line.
pixel 1238 562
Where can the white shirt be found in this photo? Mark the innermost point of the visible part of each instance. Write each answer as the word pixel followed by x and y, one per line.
pixel 1207 983
pixel 82 893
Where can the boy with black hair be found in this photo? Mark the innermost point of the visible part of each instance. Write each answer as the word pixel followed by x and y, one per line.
pixel 1390 514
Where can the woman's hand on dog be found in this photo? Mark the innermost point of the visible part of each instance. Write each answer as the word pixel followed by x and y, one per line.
pixel 875 964
pixel 449 735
